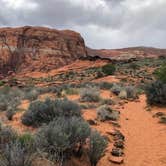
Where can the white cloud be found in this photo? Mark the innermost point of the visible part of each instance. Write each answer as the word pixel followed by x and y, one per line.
pixel 20 4
pixel 103 23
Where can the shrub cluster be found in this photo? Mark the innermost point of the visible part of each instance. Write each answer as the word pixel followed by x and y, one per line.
pixel 13 151
pixel 90 94
pixel 60 137
pixel 108 69
pixel 156 93
pixel 43 112
pixel 106 113
pixel 161 73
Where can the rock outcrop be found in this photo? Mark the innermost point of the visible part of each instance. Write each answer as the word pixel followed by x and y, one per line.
pixel 127 54
pixel 38 49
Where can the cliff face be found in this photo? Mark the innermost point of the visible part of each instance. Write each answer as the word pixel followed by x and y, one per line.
pixel 38 49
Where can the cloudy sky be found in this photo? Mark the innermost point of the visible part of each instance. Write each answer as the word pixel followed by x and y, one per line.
pixel 102 23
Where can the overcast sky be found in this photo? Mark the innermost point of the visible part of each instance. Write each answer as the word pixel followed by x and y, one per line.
pixel 102 23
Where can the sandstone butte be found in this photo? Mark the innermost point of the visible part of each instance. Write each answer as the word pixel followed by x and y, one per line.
pixel 38 48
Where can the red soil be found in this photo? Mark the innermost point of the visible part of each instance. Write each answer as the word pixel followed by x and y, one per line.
pixel 145 138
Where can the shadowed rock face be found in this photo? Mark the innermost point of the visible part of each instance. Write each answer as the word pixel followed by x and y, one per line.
pixel 38 49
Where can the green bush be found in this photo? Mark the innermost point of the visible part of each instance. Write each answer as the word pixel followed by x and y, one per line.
pixel 26 140
pixel 97 146
pixel 161 73
pixel 43 112
pixel 59 138
pixel 109 69
pixel 156 93
pixel 90 94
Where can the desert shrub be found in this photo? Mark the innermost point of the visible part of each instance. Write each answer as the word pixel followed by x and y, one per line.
pixel 156 93
pixel 10 98
pixel 59 138
pixel 116 88
pixel 43 112
pixel 108 69
pixel 131 92
pixel 90 94
pixel 7 135
pixel 10 113
pixel 161 73
pixel 32 94
pixel 107 102
pixel 105 85
pixel 71 91
pixel 26 140
pixel 14 154
pixel 128 92
pixel 106 113
pixel 134 66
pixel 97 146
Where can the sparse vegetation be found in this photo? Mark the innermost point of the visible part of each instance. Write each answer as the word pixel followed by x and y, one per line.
pixel 90 94
pixel 156 91
pixel 109 69
pixel 161 73
pixel 106 113
pixel 60 137
pixel 15 155
pixel 97 146
pixel 43 112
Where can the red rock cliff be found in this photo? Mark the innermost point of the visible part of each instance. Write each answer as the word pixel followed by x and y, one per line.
pixel 38 49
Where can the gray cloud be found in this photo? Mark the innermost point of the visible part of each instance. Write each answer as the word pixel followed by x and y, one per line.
pixel 103 23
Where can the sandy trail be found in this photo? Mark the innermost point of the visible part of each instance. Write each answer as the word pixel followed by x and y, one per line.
pixel 145 138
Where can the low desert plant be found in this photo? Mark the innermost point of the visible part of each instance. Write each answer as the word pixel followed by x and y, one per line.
pixel 90 94
pixel 161 73
pixel 97 146
pixel 116 88
pixel 7 135
pixel 60 137
pixel 105 85
pixel 32 94
pixel 43 112
pixel 109 69
pixel 128 92
pixel 10 98
pixel 156 93
pixel 15 155
pixel 106 113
